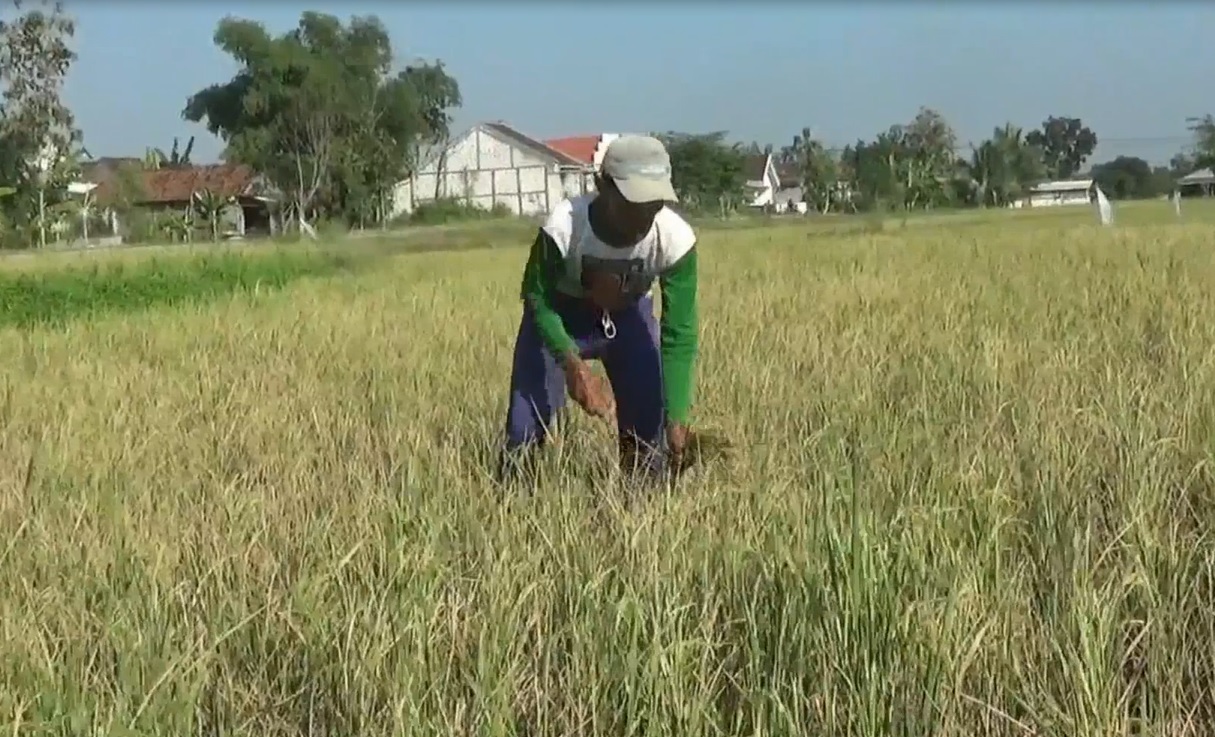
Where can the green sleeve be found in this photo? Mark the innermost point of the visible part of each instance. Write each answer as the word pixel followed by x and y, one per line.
pixel 680 340
pixel 544 266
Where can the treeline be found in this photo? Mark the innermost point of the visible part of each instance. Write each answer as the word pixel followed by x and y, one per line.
pixel 920 165
pixel 323 112
pixel 330 120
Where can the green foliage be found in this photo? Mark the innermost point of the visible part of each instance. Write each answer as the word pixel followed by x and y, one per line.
pixel 155 158
pixel 706 171
pixel 1004 166
pixel 57 297
pixel 1066 143
pixel 320 111
pixel 915 166
pixel 1129 177
pixel 454 210
pixel 208 207
pixel 819 169
pixel 39 143
pixel 1203 153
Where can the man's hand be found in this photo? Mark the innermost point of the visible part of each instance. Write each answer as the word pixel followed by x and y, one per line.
pixel 677 441
pixel 589 391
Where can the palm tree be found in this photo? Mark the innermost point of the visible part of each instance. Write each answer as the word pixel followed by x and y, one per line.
pixel 1004 165
pixel 178 226
pixel 81 208
pixel 209 207
pixel 155 158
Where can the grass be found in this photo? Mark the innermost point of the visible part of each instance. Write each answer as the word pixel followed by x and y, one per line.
pixel 56 296
pixel 972 495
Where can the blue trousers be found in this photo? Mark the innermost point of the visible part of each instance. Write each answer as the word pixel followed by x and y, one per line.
pixel 633 365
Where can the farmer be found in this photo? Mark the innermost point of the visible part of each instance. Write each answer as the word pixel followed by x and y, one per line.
pixel 587 295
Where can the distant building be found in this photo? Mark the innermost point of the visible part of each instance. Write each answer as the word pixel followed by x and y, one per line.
pixel 247 196
pixel 587 149
pixel 493 164
pixel 762 180
pixel 789 196
pixel 1057 194
pixel 1199 183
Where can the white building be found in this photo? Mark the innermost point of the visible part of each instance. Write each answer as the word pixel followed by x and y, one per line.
pixel 1201 182
pixel 494 164
pixel 587 149
pixel 789 200
pixel 763 181
pixel 1055 194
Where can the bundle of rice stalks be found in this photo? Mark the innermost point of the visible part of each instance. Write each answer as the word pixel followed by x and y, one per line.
pixel 705 447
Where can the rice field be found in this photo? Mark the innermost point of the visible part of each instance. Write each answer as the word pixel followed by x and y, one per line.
pixel 970 493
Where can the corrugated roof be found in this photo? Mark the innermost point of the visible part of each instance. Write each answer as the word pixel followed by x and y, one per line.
pixel 1069 185
pixel 1202 176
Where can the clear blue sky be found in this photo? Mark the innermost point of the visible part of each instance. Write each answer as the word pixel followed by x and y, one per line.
pixel 1133 72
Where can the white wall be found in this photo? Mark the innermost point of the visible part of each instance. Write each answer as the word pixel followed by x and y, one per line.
pixel 762 196
pixel 763 192
pixel 1056 199
pixel 485 170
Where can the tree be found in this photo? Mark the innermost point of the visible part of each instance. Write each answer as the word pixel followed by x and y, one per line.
pixel 928 165
pixel 819 171
pixel 402 119
pixel 875 169
pixel 1127 177
pixel 1203 151
pixel 706 172
pixel 209 208
pixel 1003 166
pixel 755 148
pixel 1066 144
pixel 904 167
pixel 1164 182
pixel 318 111
pixel 5 193
pixel 75 211
pixel 156 158
pixel 39 136
pixel 1182 163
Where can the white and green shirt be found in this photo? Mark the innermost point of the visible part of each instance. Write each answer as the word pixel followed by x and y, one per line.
pixel 566 246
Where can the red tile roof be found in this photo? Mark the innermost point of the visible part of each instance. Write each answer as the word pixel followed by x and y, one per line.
pixel 178 184
pixel 581 148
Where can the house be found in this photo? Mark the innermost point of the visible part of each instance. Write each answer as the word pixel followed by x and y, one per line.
pixel 1197 183
pixel 248 196
pixel 493 164
pixel 1059 193
pixel 789 196
pixel 587 149
pixel 763 181
pixel 583 148
pixel 790 200
pixel 788 175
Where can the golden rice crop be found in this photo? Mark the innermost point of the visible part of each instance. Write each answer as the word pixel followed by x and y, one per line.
pixel 970 494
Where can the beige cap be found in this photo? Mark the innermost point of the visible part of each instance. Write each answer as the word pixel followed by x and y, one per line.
pixel 641 168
